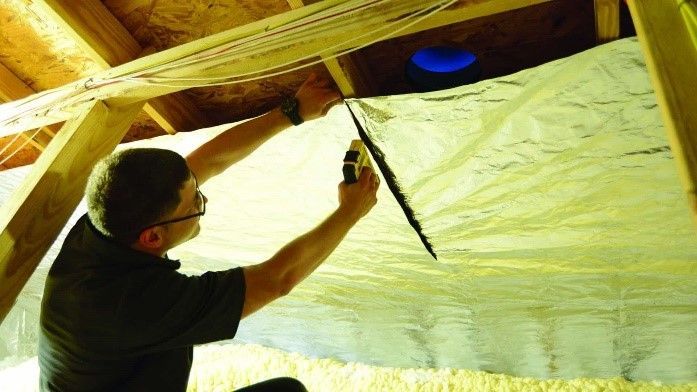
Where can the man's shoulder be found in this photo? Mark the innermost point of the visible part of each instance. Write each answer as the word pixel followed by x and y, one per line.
pixel 70 246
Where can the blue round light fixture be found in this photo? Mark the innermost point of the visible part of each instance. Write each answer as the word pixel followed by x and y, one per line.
pixel 441 67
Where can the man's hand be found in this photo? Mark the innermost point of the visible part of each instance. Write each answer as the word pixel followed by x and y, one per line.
pixel 315 97
pixel 359 198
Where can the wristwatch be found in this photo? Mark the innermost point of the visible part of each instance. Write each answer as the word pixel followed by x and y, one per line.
pixel 289 107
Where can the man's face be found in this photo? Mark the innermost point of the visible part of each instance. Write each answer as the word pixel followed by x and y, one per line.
pixel 192 202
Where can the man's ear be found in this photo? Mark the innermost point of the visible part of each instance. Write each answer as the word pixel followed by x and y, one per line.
pixel 151 238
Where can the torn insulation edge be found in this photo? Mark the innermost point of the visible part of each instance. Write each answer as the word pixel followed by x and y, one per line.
pixel 391 181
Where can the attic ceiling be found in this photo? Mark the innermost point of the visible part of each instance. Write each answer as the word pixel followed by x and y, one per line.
pixel 40 50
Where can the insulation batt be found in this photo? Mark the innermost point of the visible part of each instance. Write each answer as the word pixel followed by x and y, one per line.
pixel 230 366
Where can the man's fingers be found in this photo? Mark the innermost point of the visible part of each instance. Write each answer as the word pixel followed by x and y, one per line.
pixel 311 77
pixel 365 177
pixel 321 82
pixel 310 80
pixel 333 99
pixel 330 96
pixel 317 82
pixel 369 179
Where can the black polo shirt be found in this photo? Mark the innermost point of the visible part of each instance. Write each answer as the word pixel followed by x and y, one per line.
pixel 113 318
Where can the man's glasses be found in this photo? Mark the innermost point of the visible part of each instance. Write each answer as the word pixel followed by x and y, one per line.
pixel 201 207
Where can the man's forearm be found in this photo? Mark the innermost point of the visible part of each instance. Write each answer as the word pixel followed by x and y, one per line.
pixel 277 276
pixel 314 97
pixel 295 261
pixel 231 146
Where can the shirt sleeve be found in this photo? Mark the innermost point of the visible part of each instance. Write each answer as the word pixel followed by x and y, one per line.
pixel 171 310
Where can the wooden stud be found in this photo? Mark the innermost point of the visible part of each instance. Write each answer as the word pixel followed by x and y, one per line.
pixel 671 58
pixel 37 211
pixel 109 44
pixel 607 20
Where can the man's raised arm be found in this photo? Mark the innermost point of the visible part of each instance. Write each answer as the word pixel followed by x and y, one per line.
pixel 314 97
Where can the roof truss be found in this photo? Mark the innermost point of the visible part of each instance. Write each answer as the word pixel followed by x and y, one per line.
pixel 126 93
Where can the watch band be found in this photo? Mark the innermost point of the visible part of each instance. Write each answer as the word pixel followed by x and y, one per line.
pixel 290 107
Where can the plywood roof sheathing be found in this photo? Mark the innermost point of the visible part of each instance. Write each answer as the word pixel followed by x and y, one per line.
pixel 108 43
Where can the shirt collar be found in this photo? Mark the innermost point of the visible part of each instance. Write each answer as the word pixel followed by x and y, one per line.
pixel 114 252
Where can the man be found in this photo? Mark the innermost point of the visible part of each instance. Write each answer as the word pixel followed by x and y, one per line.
pixel 116 315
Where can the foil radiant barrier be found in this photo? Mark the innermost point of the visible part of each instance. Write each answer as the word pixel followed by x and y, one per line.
pixel 564 242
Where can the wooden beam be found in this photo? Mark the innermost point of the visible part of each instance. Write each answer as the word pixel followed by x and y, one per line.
pixel 119 92
pixel 464 10
pixel 671 58
pixel 29 136
pixel 345 70
pixel 18 149
pixel 109 44
pixel 296 4
pixel 12 119
pixel 36 212
pixel 12 88
pixel 607 20
pixel 460 11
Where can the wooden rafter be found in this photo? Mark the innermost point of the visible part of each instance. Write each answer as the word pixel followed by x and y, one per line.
pixel 108 43
pixel 296 4
pixel 671 58
pixel 124 93
pixel 465 10
pixel 348 72
pixel 13 88
pixel 34 215
pixel 607 20
pixel 27 137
